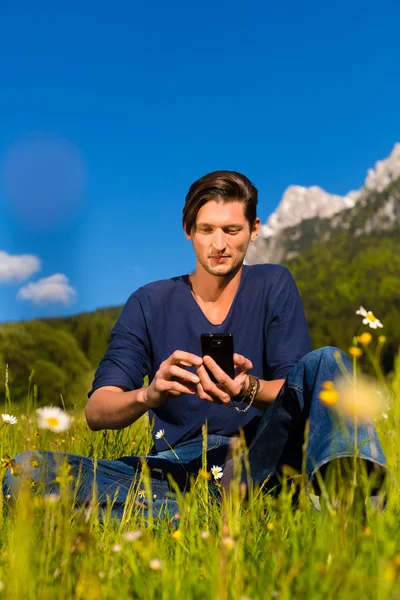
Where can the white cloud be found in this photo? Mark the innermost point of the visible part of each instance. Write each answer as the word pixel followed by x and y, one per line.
pixel 18 267
pixel 55 288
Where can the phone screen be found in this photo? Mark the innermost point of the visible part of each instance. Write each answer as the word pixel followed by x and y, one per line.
pixel 220 347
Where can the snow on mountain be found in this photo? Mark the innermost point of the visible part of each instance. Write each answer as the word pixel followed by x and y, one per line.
pixel 299 203
pixel 385 171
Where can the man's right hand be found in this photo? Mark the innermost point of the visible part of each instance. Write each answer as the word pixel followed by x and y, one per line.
pixel 172 379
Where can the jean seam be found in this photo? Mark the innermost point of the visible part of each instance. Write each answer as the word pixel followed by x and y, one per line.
pixel 294 386
pixel 112 472
pixel 216 444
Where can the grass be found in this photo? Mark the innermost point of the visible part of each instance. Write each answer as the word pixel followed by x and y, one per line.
pixel 262 547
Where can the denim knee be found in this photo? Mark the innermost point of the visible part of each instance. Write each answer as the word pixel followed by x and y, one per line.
pixel 25 466
pixel 326 354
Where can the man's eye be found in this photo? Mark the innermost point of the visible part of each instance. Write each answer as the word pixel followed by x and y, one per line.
pixel 233 231
pixel 205 230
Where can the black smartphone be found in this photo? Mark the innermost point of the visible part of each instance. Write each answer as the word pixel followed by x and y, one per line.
pixel 220 347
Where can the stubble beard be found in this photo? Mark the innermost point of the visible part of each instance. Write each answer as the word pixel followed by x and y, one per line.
pixel 227 272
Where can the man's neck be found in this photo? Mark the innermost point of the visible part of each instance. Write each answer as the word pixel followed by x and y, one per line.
pixel 210 288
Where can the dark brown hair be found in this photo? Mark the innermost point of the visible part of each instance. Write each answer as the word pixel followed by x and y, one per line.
pixel 224 186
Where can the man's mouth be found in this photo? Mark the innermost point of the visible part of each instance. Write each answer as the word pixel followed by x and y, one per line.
pixel 219 258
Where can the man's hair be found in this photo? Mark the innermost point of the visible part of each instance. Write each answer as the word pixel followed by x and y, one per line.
pixel 224 186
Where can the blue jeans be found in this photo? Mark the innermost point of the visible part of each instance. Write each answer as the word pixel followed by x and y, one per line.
pixel 279 441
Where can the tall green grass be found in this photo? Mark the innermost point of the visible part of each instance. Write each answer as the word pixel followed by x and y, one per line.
pixel 262 546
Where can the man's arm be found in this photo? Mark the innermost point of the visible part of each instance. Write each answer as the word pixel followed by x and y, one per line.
pixel 268 392
pixel 115 407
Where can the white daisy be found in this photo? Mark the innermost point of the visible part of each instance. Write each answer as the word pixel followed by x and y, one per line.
pixel 53 418
pixel 159 434
pixel 9 419
pixel 217 472
pixel 369 318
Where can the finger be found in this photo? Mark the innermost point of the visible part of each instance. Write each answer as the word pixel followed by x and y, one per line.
pixel 180 388
pixel 176 388
pixel 223 379
pixel 184 358
pixel 210 388
pixel 202 394
pixel 181 374
pixel 242 363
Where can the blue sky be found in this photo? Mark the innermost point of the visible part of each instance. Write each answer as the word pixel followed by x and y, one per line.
pixel 110 111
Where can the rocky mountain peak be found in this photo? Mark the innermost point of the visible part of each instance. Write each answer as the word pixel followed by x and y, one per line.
pixel 300 203
pixel 385 171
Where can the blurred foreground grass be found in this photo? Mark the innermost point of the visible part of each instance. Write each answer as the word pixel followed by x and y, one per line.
pixel 267 547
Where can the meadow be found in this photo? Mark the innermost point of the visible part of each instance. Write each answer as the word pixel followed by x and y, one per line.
pixel 262 546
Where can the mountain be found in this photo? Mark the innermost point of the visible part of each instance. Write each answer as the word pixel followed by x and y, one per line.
pixel 342 251
pixel 308 215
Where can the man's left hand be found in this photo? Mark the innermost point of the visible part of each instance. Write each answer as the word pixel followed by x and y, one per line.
pixel 226 388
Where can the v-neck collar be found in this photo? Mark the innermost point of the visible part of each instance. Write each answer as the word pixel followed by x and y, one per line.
pixel 185 279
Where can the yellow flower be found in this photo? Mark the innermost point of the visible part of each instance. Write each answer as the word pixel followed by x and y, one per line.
pixel 328 395
pixel 382 339
pixel 176 535
pixel 396 560
pixel 328 385
pixel 204 474
pixel 228 542
pixel 361 400
pixel 365 338
pixel 355 351
pixel 390 573
pixel 270 526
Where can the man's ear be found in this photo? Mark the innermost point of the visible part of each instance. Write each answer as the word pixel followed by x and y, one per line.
pixel 188 236
pixel 255 229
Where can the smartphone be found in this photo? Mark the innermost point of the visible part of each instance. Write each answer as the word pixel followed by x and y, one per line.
pixel 220 347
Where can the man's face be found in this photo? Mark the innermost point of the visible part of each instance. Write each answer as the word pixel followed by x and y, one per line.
pixel 221 237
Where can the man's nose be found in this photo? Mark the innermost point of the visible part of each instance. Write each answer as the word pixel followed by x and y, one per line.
pixel 219 241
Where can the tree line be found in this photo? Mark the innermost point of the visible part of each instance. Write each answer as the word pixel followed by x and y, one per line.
pixel 57 357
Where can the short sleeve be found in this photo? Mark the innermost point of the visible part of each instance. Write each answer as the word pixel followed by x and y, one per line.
pixel 127 359
pixel 286 333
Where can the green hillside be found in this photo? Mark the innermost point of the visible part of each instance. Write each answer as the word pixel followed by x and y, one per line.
pixel 60 355
pixel 336 277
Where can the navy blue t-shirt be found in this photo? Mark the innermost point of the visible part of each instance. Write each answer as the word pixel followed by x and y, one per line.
pixel 268 325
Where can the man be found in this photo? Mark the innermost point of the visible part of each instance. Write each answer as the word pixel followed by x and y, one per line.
pixel 277 376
